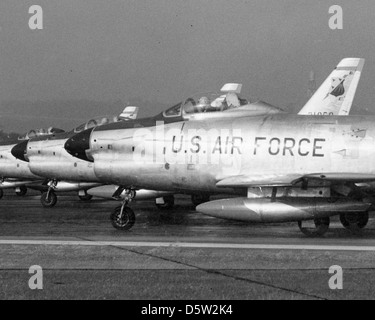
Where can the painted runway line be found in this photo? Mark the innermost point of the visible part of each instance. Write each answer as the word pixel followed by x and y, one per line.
pixel 188 245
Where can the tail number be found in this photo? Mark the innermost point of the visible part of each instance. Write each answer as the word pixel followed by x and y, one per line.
pixel 321 113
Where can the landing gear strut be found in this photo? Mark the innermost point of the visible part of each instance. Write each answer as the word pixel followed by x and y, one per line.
pixel 49 198
pixel 1 193
pixel 123 217
pixel 321 227
pixel 354 221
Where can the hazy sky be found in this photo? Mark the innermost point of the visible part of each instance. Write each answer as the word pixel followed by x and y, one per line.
pixel 164 50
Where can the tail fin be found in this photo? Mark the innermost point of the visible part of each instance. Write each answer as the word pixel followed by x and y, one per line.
pixel 129 113
pixel 335 96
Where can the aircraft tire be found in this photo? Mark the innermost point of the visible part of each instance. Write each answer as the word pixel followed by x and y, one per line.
pixel 50 202
pixel 168 203
pixel 321 227
pixel 354 221
pixel 22 192
pixel 125 222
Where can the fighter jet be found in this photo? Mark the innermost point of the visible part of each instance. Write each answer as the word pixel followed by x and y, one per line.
pixel 49 163
pixel 229 94
pixel 285 167
pixel 349 69
pixel 47 158
pixel 44 157
pixel 14 173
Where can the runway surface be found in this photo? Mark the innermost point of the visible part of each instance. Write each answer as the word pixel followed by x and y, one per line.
pixel 176 254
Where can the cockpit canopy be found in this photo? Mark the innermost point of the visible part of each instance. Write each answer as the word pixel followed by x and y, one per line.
pixel 99 121
pixel 129 113
pixel 228 99
pixel 40 132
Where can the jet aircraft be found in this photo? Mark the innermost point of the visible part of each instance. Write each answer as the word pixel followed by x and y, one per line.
pixel 285 167
pixel 14 173
pixel 39 155
pixel 348 70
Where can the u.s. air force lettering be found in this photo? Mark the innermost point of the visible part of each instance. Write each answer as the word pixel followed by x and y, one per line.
pixel 273 146
pixel 290 146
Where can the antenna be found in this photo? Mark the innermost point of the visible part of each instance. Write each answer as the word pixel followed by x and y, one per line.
pixel 312 84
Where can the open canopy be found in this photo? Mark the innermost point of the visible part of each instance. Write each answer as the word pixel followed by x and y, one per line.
pixel 227 100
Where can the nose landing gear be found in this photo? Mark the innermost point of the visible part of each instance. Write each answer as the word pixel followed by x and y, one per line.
pixel 123 217
pixel 49 198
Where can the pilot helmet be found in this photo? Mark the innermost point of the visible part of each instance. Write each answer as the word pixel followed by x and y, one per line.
pixel 203 101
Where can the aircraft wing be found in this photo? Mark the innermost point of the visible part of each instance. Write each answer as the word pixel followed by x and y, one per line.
pixel 259 181
pixel 272 180
pixel 341 176
pixel 335 96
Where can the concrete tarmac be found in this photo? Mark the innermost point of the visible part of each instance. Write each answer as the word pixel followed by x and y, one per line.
pixel 175 254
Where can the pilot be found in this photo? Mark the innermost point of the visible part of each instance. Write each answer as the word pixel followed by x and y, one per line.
pixel 103 121
pixel 202 105
pixel 41 132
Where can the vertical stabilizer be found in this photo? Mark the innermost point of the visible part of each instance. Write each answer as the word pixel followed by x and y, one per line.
pixel 335 96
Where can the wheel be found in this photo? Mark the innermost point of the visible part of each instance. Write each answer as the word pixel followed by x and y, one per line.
pixel 354 221
pixel 86 197
pixel 321 227
pixel 198 199
pixel 1 193
pixel 50 201
pixel 22 191
pixel 363 219
pixel 124 221
pixel 168 203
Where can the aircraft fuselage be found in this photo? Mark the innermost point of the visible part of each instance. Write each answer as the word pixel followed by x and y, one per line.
pixel 195 155
pixel 48 158
pixel 10 167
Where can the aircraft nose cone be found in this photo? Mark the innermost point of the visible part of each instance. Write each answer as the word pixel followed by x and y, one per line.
pixel 79 144
pixel 19 151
